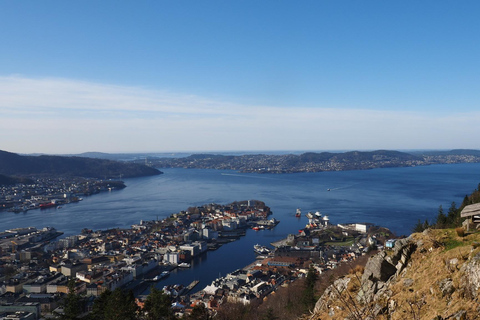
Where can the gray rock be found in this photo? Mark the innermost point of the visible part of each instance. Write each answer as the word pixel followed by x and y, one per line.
pixel 446 287
pixel 407 282
pixel 392 305
pixel 402 251
pixel 472 274
pixel 331 293
pixel 453 262
pixel 378 268
pixel 331 312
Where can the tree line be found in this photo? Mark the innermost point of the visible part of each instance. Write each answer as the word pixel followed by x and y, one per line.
pixel 287 303
pixel 451 218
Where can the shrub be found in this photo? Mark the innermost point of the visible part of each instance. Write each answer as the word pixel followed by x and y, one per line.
pixel 460 232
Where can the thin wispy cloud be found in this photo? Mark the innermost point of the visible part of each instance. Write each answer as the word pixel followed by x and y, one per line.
pixel 65 115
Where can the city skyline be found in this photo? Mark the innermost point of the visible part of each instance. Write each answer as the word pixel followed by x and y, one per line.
pixel 223 76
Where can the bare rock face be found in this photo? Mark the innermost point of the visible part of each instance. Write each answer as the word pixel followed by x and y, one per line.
pixel 374 284
pixel 402 252
pixel 377 271
pixel 472 275
pixel 331 293
pixel 380 269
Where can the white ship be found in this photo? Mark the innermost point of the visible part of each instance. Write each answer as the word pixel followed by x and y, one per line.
pixel 261 249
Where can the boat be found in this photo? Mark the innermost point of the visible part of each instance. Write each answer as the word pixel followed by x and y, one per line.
pixel 298 213
pixel 48 205
pixel 259 249
pixel 17 209
pixel 159 277
pixel 310 215
pixel 184 265
pixel 164 274
pixel 256 228
pixel 155 279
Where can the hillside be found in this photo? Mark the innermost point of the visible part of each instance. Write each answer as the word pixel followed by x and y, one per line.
pixel 7 181
pixel 430 275
pixel 289 163
pixel 12 164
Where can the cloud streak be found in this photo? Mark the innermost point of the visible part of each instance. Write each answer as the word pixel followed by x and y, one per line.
pixel 54 115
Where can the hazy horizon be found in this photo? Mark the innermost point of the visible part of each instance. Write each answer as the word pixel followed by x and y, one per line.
pixel 237 152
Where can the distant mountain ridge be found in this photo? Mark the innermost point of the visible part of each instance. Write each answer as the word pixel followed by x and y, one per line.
pixel 12 164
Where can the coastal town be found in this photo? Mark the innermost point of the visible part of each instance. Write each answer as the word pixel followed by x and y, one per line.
pixel 35 270
pixel 314 162
pixel 46 192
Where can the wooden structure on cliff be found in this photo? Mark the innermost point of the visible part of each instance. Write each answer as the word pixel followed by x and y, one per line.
pixel 471 212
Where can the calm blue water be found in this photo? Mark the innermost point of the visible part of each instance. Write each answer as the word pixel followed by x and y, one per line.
pixel 395 198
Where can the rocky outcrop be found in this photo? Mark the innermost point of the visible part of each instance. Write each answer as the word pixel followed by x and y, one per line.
pixel 379 271
pixel 333 292
pixel 378 268
pixel 446 287
pixel 382 268
pixel 430 275
pixel 471 279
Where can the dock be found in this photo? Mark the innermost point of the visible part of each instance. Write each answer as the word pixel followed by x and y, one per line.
pixel 192 285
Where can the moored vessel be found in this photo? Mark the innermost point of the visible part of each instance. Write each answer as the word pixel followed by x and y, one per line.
pixel 298 213
pixel 259 249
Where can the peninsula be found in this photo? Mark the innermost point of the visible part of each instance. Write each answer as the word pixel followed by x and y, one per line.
pixel 12 164
pixel 32 182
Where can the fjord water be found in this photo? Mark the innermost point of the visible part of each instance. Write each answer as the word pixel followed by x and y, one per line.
pixel 393 197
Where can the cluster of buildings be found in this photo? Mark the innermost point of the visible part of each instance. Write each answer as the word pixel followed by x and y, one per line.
pixel 289 163
pixel 51 192
pixel 322 248
pixel 35 271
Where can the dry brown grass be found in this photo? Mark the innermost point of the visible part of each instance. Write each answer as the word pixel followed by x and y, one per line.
pixel 358 269
pixel 440 255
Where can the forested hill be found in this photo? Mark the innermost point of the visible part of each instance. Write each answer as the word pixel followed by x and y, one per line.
pixel 12 164
pixel 7 181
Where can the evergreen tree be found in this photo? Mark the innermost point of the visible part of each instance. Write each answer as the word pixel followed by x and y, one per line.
pixel 441 221
pixel 99 306
pixel 309 290
pixel 418 227
pixel 465 202
pixel 426 225
pixel 452 217
pixel 158 306
pixel 114 305
pixel 120 305
pixel 269 315
pixel 199 312
pixel 72 307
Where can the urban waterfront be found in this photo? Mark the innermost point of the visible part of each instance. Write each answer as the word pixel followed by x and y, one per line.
pixel 395 198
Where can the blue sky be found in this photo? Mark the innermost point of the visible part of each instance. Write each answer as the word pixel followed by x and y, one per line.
pixel 138 76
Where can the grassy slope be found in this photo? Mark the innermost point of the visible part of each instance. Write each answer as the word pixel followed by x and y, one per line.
pixel 432 262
